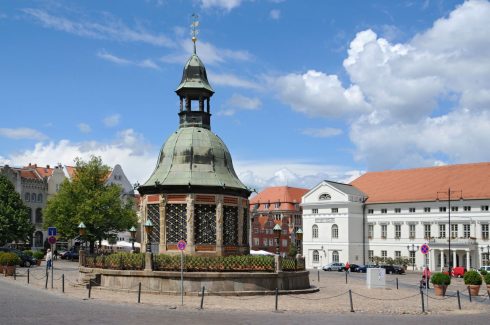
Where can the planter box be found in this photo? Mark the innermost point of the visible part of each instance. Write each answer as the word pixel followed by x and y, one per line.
pixel 440 290
pixel 9 270
pixel 474 289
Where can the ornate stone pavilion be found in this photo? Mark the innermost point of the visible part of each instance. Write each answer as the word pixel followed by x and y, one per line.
pixel 194 193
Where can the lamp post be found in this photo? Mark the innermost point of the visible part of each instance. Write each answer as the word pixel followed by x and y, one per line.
pixel 488 253
pixel 132 231
pixel 412 249
pixel 82 230
pixel 299 236
pixel 148 228
pixel 448 193
pixel 277 233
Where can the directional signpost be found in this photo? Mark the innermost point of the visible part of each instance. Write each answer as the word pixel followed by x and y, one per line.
pixel 425 249
pixel 181 246
pixel 52 232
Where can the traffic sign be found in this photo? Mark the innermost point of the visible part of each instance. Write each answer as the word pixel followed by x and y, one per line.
pixel 52 240
pixel 181 245
pixel 52 231
pixel 424 249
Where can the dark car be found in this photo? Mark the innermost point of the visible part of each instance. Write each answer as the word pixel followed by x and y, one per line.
pixel 71 254
pixel 25 260
pixel 363 268
pixel 353 268
pixel 393 269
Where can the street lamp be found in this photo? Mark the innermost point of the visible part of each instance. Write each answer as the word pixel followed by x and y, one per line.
pixel 488 253
pixel 82 230
pixel 448 193
pixel 132 231
pixel 299 236
pixel 148 228
pixel 277 233
pixel 413 249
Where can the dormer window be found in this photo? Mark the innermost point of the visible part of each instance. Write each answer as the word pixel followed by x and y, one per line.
pixel 266 205
pixel 277 205
pixel 325 196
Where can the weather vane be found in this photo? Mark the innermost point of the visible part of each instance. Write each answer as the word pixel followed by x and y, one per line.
pixel 194 30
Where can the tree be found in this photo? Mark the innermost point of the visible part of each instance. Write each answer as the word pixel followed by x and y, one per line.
pixel 15 221
pixel 87 199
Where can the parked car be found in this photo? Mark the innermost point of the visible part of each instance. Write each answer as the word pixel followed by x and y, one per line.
pixel 353 267
pixel 71 254
pixel 458 271
pixel 25 260
pixel 393 269
pixel 363 268
pixel 485 268
pixel 334 267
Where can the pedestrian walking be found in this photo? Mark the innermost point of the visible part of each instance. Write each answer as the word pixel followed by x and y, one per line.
pixel 49 259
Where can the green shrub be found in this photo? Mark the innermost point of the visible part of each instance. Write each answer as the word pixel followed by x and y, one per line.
pixel 472 278
pixel 9 259
pixel 483 272
pixel 440 278
pixel 487 278
pixel 28 252
pixel 38 255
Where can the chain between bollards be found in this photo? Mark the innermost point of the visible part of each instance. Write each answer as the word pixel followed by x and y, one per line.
pixel 277 297
pixel 459 300
pixel 469 293
pixel 351 304
pixel 139 293
pixel 202 297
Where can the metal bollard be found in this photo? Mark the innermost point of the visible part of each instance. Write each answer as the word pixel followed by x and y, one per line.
pixel 89 288
pixel 28 276
pixel 277 297
pixel 46 284
pixel 469 293
pixel 422 297
pixel 52 275
pixel 202 297
pixel 459 300
pixel 351 304
pixel 139 293
pixel 318 275
pixel 15 273
pixel 346 277
pixel 63 283
pixel 396 283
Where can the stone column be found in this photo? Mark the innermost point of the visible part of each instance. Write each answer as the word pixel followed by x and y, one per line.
pixel 480 259
pixel 442 259
pixel 201 104
pixel 163 223
pixel 181 103
pixel 219 225
pixel 454 259
pixel 467 259
pixel 191 247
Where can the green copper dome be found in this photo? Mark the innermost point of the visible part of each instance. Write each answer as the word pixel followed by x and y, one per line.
pixel 194 157
pixel 194 76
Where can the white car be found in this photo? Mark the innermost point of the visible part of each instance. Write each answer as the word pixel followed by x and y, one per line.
pixel 334 267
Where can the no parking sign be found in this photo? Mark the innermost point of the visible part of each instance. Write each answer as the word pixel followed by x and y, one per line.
pixel 424 249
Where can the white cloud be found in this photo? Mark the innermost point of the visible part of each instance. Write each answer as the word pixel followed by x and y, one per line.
pixel 84 128
pixel 275 14
pixel 239 102
pixel 22 133
pixel 226 5
pixel 147 63
pixel 112 120
pixel 129 149
pixel 231 80
pixel 322 133
pixel 109 27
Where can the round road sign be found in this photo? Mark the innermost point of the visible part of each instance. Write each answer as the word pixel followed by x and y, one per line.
pixel 181 245
pixel 52 240
pixel 424 249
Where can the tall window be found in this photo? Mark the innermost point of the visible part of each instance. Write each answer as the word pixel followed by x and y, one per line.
pixel 484 231
pixel 39 215
pixel 335 231
pixel 314 211
pixel 411 210
pixel 412 231
pixel 442 209
pixel 427 209
pixel 467 208
pixel 454 209
pixel 27 197
pixel 398 254
pixel 398 210
pixel 484 207
pixel 314 231
pixel 454 231
pixel 277 205
pixel 398 231
pixel 412 257
pixel 384 211
pixel 335 210
pixel 466 231
pixel 370 255
pixel 335 256
pixel 370 211
pixel 384 230
pixel 370 230
pixel 39 198
pixel 442 231
pixel 316 256
pixel 33 197
pixel 427 231
pixel 384 255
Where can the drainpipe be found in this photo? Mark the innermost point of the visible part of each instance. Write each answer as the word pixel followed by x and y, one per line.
pixel 364 231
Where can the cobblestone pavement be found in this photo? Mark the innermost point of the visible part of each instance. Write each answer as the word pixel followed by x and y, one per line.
pixel 333 296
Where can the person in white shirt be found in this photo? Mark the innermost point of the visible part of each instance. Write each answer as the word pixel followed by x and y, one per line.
pixel 49 259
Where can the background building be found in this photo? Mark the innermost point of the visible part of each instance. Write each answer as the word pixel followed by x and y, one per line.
pixel 395 212
pixel 276 205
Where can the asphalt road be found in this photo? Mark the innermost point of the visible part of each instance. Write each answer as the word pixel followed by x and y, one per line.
pixel 20 304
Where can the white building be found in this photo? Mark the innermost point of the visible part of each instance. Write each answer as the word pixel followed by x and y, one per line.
pixel 385 213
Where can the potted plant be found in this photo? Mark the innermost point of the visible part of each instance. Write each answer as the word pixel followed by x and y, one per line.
pixel 486 277
pixel 440 282
pixel 9 261
pixel 38 255
pixel 473 280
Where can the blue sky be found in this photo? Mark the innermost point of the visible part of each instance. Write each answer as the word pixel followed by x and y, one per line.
pixel 305 90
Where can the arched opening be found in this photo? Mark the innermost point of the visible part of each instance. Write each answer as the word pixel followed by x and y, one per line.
pixel 335 231
pixel 335 256
pixel 40 198
pixel 27 197
pixel 33 197
pixel 314 231
pixel 39 215
pixel 316 256
pixel 325 196
pixel 38 239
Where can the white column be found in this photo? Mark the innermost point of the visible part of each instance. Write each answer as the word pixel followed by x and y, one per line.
pixel 480 259
pixel 468 259
pixel 431 259
pixel 454 259
pixel 442 259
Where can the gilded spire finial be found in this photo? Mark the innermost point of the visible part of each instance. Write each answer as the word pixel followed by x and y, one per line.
pixel 194 30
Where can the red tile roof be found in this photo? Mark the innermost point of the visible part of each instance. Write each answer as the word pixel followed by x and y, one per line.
pixel 45 171
pixel 423 184
pixel 288 196
pixel 30 174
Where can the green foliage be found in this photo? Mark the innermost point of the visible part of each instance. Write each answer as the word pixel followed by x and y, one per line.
pixel 28 252
pixel 38 255
pixel 117 261
pixel 292 250
pixel 472 277
pixel 440 279
pixel 15 221
pixel 293 264
pixel 486 277
pixel 9 259
pixel 483 272
pixel 89 200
